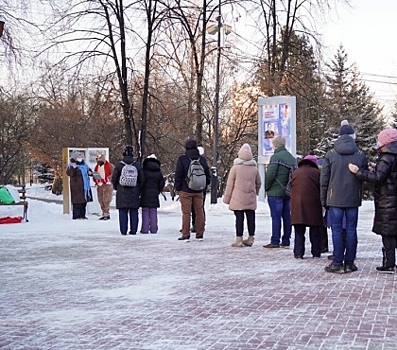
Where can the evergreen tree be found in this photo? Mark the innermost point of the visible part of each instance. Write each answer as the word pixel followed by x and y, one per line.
pixel 347 97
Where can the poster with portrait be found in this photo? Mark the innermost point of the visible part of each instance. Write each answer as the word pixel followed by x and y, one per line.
pixel 276 117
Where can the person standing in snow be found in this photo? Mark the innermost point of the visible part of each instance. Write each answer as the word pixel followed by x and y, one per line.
pixel 104 185
pixel 187 196
pixel 194 227
pixel 80 187
pixel 276 177
pixel 384 177
pixel 127 197
pixel 242 188
pixel 341 195
pixel 151 189
pixel 306 209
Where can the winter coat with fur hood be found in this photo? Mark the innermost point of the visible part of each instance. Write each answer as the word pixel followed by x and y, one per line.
pixel 243 183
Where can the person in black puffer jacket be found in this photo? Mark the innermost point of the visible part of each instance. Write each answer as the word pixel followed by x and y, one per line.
pixel 384 177
pixel 152 187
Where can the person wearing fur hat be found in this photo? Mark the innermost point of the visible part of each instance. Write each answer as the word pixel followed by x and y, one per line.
pixel 104 185
pixel 276 179
pixel 187 196
pixel 341 195
pixel 242 188
pixel 80 187
pixel 385 196
pixel 152 187
pixel 128 197
pixel 306 209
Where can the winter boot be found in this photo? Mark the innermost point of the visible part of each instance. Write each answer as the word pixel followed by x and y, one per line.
pixel 249 242
pixel 383 267
pixel 239 242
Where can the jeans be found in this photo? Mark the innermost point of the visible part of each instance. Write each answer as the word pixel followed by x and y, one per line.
pixel 280 209
pixel 344 252
pixel 123 220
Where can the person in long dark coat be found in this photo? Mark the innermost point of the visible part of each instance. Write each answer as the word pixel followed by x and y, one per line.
pixel 384 177
pixel 128 198
pixel 152 187
pixel 306 209
pixel 80 187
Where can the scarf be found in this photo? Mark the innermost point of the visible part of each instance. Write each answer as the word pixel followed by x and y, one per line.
pixel 84 169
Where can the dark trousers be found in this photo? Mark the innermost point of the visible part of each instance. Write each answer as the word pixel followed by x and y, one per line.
pixel 250 214
pixel 124 213
pixel 390 244
pixel 315 240
pixel 79 210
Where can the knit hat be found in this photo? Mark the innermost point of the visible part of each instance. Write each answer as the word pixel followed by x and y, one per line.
pixel 152 156
pixel 346 129
pixel 311 158
pixel 279 141
pixel 128 151
pixel 190 143
pixel 245 152
pixel 201 150
pixel 386 136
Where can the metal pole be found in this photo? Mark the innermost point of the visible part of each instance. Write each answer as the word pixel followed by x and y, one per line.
pixel 214 168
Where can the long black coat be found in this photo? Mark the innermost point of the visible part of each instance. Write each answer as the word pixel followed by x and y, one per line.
pixel 127 197
pixel 384 177
pixel 153 185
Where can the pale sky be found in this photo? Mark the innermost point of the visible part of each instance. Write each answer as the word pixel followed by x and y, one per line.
pixel 367 32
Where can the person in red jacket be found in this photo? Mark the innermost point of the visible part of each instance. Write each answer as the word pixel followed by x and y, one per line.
pixel 104 185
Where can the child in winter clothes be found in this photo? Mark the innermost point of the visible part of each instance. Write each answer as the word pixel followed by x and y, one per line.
pixel 241 192
pixel 152 187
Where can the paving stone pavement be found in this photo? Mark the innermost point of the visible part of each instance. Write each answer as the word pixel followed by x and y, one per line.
pixel 69 288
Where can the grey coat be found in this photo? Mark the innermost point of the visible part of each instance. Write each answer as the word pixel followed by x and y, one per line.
pixel 339 186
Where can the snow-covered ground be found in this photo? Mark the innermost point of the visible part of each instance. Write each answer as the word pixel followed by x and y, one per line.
pixel 79 284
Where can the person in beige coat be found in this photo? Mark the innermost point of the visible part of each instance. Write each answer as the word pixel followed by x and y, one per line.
pixel 241 192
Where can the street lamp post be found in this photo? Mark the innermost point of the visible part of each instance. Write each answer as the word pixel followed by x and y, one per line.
pixel 214 168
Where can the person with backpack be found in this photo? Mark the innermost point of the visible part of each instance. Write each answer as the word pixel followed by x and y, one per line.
pixel 276 179
pixel 127 179
pixel 103 184
pixel 152 187
pixel 242 188
pixel 192 176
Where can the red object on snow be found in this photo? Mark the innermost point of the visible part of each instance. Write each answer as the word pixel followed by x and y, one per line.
pixel 11 220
